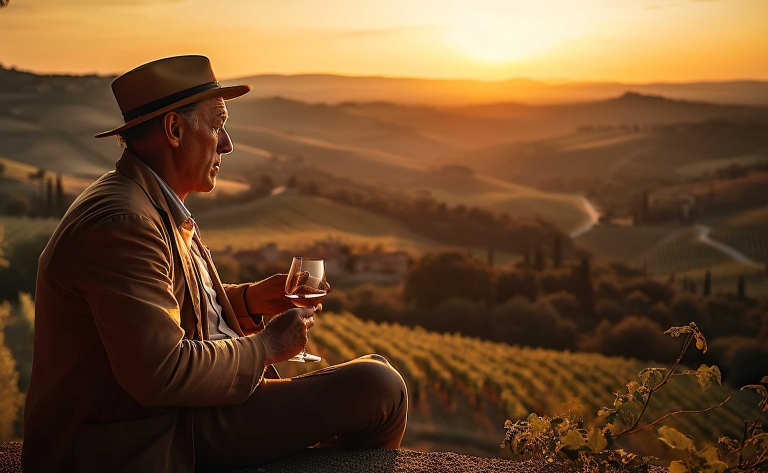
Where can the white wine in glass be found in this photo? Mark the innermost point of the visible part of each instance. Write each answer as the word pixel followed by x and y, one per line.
pixel 306 287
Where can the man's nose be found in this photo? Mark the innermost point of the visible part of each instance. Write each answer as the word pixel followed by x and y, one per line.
pixel 225 143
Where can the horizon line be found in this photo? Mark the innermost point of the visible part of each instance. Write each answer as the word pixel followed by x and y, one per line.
pixel 543 81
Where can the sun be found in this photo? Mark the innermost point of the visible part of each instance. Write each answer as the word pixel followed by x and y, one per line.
pixel 503 39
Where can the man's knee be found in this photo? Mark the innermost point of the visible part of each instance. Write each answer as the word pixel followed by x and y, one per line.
pixel 380 378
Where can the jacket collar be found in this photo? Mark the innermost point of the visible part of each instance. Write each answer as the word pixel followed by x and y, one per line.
pixel 156 189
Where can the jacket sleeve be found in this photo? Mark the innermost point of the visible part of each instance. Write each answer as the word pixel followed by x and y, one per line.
pixel 125 275
pixel 249 323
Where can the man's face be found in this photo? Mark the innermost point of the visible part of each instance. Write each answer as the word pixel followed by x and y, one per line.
pixel 203 146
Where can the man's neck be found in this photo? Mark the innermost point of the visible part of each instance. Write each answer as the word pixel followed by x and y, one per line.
pixel 163 167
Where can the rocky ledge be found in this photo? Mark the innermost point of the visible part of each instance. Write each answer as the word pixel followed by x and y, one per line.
pixel 358 461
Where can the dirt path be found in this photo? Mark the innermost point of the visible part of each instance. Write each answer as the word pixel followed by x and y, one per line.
pixel 703 236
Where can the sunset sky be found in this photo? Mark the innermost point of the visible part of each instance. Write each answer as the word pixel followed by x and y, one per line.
pixel 611 40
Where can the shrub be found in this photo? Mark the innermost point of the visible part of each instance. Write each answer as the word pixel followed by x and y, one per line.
pixel 516 283
pixel 519 321
pixel 440 276
pixel 743 360
pixel 634 337
pixel 638 303
pixel 610 311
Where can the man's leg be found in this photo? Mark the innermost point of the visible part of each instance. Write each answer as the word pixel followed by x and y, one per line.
pixel 363 402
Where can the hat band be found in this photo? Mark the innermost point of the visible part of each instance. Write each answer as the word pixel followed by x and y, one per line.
pixel 169 100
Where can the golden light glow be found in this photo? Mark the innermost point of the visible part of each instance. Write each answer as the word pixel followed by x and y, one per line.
pixel 504 35
pixel 604 40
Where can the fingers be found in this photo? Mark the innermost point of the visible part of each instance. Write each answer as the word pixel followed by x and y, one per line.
pixel 319 307
pixel 308 290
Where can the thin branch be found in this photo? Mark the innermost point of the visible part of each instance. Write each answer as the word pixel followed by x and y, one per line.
pixel 698 411
pixel 662 383
pixel 754 424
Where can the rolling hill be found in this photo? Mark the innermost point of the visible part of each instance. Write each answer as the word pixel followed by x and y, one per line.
pixel 435 92
pixel 293 221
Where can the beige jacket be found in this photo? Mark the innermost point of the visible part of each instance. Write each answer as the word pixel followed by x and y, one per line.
pixel 121 355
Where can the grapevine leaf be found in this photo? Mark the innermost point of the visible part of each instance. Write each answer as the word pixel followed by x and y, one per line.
pixel 675 332
pixel 701 342
pixel 537 424
pixel 764 380
pixel 596 440
pixel 760 390
pixel 706 376
pixel 606 411
pixel 677 467
pixel 651 377
pixel 675 439
pixel 573 440
pixel 711 461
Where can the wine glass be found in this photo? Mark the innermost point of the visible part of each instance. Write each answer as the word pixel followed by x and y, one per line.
pixel 306 287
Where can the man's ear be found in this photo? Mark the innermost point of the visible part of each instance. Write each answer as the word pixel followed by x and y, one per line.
pixel 172 129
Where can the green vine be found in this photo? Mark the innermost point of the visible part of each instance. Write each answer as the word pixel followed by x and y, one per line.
pixel 564 438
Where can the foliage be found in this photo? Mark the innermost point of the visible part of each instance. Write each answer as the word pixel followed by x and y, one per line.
pixel 514 379
pixel 10 397
pixel 564 438
pixel 439 276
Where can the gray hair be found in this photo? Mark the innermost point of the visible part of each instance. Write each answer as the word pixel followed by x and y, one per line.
pixel 140 131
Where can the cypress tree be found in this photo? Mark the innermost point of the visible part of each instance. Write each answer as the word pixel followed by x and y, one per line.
pixel 557 252
pixel 583 284
pixel 538 259
pixel 59 193
pixel 707 283
pixel 49 205
pixel 490 256
pixel 742 288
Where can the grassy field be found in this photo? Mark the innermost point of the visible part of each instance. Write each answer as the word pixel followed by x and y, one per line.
pixel 294 221
pixel 710 167
pixel 18 229
pixel 623 243
pixel 449 375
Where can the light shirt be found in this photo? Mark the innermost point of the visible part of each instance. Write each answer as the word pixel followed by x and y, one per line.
pixel 217 325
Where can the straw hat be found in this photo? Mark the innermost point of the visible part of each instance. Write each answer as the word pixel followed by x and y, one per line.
pixel 160 86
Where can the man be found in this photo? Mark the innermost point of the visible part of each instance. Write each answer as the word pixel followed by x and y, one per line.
pixel 144 361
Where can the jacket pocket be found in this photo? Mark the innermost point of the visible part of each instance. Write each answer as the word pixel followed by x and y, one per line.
pixel 142 445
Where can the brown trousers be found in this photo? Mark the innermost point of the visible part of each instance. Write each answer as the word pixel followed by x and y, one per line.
pixel 362 403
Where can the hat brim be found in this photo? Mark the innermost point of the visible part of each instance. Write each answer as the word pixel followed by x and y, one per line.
pixel 227 93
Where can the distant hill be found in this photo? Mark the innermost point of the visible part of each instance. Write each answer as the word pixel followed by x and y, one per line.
pixel 334 89
pixel 49 122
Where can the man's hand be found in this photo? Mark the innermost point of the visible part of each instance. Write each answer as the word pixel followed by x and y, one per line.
pixel 286 334
pixel 268 296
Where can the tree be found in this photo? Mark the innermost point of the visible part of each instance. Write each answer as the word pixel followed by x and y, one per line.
pixel 538 259
pixel 583 285
pixel 60 206
pixel 742 288
pixel 490 256
pixel 557 252
pixel 440 276
pixel 707 283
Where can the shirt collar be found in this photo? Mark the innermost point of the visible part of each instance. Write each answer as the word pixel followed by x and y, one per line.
pixel 179 211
